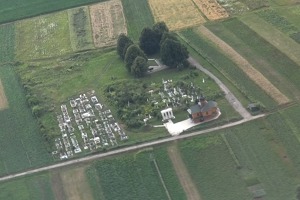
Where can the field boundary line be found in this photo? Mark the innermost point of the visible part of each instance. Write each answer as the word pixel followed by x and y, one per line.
pixel 256 76
pixel 161 179
pixel 230 150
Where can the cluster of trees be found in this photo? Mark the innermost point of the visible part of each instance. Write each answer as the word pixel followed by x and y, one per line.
pixel 153 40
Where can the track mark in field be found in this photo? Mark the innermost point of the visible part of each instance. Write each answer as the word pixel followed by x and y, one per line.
pixel 247 68
pixel 3 100
pixel 57 186
pixel 75 184
pixel 183 174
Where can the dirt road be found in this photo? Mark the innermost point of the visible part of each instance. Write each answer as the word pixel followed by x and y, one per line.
pixel 182 173
pixel 235 103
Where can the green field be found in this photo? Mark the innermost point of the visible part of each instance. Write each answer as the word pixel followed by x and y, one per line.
pixel 21 143
pixel 228 68
pixel 213 169
pixel 7 43
pixel 37 187
pixel 137 20
pixel 261 54
pixel 15 9
pixel 80 29
pixel 134 176
pixel 43 37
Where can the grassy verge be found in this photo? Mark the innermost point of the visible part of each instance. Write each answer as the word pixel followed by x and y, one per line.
pixel 7 43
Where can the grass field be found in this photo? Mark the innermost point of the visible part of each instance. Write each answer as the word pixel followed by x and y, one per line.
pixel 43 37
pixel 135 19
pixel 108 22
pixel 21 144
pixel 213 169
pixel 261 54
pixel 7 43
pixel 245 66
pixel 228 68
pixel 167 11
pixel 134 176
pixel 80 29
pixel 15 9
pixel 37 187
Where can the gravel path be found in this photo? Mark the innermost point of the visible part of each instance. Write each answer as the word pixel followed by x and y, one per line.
pixel 235 103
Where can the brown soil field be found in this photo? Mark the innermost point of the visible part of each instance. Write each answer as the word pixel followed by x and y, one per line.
pixel 75 184
pixel 177 14
pixel 211 9
pixel 108 22
pixel 247 68
pixel 183 174
pixel 3 100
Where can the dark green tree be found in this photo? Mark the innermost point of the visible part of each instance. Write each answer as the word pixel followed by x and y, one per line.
pixel 139 67
pixel 173 53
pixel 160 28
pixel 132 52
pixel 149 41
pixel 168 35
pixel 122 44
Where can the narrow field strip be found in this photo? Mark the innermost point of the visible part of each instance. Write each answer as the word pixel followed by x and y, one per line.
pixel 211 9
pixel 183 174
pixel 275 37
pixel 253 74
pixel 3 99
pixel 177 14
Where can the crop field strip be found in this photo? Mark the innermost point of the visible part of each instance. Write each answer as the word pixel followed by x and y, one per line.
pixel 167 11
pixel 211 9
pixel 254 74
pixel 211 166
pixel 228 69
pixel 21 144
pixel 7 43
pixel 33 8
pixel 41 37
pixel 260 53
pixel 80 28
pixel 108 22
pixel 131 176
pixel 135 19
pixel 275 37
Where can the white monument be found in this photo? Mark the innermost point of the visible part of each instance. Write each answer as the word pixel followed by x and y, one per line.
pixel 167 114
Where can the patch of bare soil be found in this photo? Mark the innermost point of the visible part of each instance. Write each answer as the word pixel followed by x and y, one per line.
pixel 211 9
pixel 247 68
pixel 75 184
pixel 57 186
pixel 182 173
pixel 108 22
pixel 3 100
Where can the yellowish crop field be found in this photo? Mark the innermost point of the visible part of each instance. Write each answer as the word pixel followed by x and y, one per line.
pixel 108 22
pixel 177 14
pixel 211 9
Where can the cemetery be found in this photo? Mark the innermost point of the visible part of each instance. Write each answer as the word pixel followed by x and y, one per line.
pixel 86 125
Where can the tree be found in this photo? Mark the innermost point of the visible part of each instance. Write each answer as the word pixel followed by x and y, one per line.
pixel 122 44
pixel 160 28
pixel 173 53
pixel 139 66
pixel 132 52
pixel 149 41
pixel 168 35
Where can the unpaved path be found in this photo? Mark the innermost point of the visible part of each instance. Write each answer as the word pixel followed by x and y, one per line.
pixel 3 100
pixel 183 174
pixel 235 103
pixel 125 149
pixel 246 67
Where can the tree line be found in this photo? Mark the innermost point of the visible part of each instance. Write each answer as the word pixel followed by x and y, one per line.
pixel 157 39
